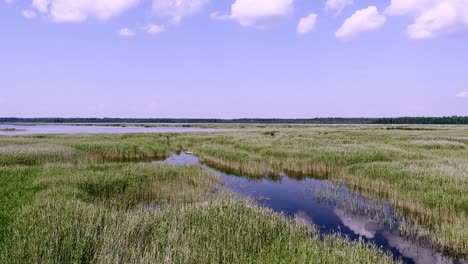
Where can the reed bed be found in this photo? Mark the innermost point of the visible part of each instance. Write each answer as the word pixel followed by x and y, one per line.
pixel 223 230
pixel 16 189
pixel 84 199
pixel 422 172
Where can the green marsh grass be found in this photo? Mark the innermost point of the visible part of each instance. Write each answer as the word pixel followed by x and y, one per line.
pixel 423 172
pixel 16 190
pixel 223 230
pixel 88 199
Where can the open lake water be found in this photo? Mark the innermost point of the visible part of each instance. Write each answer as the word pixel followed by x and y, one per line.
pixel 97 129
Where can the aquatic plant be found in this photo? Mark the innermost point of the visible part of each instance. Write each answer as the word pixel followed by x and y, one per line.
pixel 422 172
pixel 149 212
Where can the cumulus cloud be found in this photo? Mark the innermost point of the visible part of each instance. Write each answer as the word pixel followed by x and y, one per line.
pixel 462 94
pixel 362 21
pixel 306 24
pixel 29 14
pixel 337 5
pixel 257 12
pixel 41 5
pixel 126 32
pixel 177 9
pixel 433 18
pixel 81 10
pixel 404 7
pixel 154 29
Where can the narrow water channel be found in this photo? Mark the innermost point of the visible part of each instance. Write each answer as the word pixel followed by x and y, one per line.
pixel 330 208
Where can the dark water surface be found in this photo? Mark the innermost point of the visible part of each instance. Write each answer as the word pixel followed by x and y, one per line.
pixel 74 129
pixel 331 209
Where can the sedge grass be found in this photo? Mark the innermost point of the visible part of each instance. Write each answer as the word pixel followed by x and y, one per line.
pixel 423 172
pixel 16 190
pixel 225 229
pixel 84 207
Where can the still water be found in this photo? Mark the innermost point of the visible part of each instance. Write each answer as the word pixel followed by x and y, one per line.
pixel 70 129
pixel 341 211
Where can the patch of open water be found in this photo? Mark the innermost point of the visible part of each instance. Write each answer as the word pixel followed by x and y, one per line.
pixel 331 208
pixel 79 129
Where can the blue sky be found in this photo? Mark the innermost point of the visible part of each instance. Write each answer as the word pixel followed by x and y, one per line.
pixel 233 58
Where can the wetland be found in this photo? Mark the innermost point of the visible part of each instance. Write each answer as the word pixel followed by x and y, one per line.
pixel 303 194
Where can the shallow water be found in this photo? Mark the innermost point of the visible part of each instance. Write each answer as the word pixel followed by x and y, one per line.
pixel 71 129
pixel 330 208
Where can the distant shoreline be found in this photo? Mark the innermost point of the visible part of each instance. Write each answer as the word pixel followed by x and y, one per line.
pixel 453 120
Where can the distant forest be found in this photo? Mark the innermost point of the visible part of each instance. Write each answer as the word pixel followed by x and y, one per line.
pixel 452 120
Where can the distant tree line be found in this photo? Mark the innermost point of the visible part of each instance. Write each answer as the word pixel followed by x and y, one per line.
pixel 449 120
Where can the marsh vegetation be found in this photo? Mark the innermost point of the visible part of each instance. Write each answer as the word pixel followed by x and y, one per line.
pixel 94 199
pixel 8 129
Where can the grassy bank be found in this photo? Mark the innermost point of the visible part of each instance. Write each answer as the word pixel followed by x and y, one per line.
pixel 88 199
pixel 422 171
pixel 16 189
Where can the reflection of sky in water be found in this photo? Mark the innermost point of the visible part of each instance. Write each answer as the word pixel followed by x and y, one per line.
pixel 419 254
pixel 360 225
pixel 304 218
pixel 295 199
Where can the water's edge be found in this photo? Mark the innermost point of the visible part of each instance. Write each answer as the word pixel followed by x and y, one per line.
pixel 330 208
pixel 13 130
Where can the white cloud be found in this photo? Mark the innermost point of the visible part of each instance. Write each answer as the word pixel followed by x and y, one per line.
pixel 81 10
pixel 126 32
pixel 41 5
pixel 154 29
pixel 8 1
pixel 257 12
pixel 337 5
pixel 29 14
pixel 306 24
pixel 433 18
pixel 177 9
pixel 362 21
pixel 462 94
pixel 404 7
